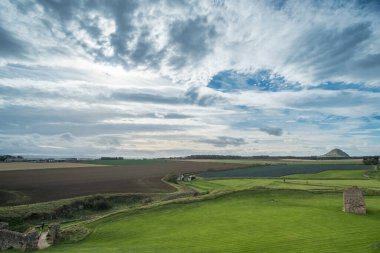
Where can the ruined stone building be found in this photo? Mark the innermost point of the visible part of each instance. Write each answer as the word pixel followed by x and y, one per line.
pixel 353 201
pixel 15 240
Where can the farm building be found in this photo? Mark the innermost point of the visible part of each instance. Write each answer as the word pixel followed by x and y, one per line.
pixel 353 201
pixel 186 178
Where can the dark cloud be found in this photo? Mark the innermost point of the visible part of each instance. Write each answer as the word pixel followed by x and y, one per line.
pixel 276 131
pixel 10 46
pixel 223 141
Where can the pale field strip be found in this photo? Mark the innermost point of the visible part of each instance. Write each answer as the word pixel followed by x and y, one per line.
pixel 38 166
pixel 326 161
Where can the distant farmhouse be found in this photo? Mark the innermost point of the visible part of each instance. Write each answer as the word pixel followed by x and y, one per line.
pixel 186 177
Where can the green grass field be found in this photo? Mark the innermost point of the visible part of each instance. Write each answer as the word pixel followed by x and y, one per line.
pixel 298 184
pixel 326 180
pixel 341 174
pixel 251 221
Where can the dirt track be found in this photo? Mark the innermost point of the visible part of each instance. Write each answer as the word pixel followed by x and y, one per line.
pixel 52 184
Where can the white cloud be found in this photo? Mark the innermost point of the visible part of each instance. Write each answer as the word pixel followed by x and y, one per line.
pixel 96 79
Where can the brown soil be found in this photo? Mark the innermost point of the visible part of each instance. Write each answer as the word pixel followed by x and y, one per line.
pixel 38 166
pixel 53 184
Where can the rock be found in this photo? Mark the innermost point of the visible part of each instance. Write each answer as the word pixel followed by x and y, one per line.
pixel 4 225
pixel 353 201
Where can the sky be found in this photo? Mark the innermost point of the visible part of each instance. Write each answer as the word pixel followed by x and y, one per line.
pixel 143 78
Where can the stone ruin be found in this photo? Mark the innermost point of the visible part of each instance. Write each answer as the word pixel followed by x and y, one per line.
pixel 25 241
pixel 15 240
pixel 53 232
pixel 353 201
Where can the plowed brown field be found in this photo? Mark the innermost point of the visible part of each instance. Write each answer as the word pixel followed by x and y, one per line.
pixel 53 184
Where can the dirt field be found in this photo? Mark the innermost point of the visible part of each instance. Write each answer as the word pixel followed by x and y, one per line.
pixel 52 184
pixel 37 166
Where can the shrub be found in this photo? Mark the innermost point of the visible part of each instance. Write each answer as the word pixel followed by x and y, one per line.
pixel 73 234
pixel 172 178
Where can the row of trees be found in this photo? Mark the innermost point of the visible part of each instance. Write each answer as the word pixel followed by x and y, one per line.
pixel 371 160
pixel 5 157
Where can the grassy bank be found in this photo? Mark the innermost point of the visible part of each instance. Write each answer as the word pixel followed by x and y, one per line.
pixel 252 221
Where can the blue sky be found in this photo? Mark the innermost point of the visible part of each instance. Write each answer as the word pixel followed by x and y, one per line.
pixel 171 78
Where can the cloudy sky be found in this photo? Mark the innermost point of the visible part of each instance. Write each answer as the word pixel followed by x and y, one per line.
pixel 171 78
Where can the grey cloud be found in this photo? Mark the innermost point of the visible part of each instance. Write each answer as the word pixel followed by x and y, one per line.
pixel 371 61
pixel 223 141
pixel 80 130
pixel 188 40
pixel 145 97
pixel 67 137
pixel 109 141
pixel 367 67
pixel 145 54
pixel 10 46
pixel 324 52
pixel 194 96
pixel 276 131
pixel 341 99
pixel 63 9
pixel 192 40
pixel 191 96
pixel 29 120
pixel 121 12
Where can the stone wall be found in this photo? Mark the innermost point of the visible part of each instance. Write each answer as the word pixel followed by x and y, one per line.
pixel 11 239
pixel 353 201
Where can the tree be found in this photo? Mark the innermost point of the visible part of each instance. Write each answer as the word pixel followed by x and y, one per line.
pixel 371 160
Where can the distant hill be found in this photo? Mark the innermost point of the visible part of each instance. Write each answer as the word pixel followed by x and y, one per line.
pixel 336 153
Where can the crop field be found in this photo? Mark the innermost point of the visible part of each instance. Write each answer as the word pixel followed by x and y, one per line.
pixel 251 221
pixel 53 184
pixel 124 162
pixel 39 166
pixel 279 161
pixel 281 170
